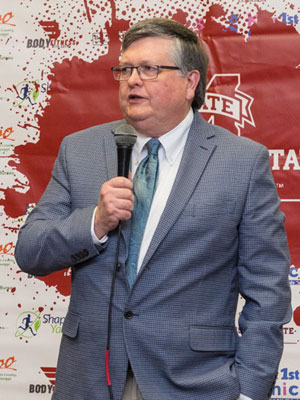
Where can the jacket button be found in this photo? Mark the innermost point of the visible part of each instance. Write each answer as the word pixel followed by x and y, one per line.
pixel 128 314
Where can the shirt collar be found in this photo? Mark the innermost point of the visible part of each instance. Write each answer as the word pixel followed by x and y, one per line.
pixel 172 142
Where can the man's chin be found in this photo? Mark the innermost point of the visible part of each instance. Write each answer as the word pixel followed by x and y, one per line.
pixel 135 119
pixel 142 126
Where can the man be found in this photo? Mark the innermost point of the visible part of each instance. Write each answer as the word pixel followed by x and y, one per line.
pixel 214 230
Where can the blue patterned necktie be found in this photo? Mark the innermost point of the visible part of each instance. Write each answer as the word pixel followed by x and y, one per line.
pixel 144 183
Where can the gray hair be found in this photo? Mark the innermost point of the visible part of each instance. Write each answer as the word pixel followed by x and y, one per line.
pixel 187 55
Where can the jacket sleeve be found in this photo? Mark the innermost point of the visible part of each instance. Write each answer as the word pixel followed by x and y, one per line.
pixel 263 281
pixel 55 236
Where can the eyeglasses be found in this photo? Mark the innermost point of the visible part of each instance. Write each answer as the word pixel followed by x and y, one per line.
pixel 145 72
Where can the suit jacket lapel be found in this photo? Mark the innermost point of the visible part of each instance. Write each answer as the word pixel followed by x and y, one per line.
pixel 197 152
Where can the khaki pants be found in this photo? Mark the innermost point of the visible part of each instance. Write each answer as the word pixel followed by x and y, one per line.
pixel 131 389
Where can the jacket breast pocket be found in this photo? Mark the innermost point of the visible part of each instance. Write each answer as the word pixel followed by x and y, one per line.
pixel 213 338
pixel 223 207
pixel 71 325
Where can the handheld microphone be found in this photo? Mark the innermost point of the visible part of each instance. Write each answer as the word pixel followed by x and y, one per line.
pixel 125 138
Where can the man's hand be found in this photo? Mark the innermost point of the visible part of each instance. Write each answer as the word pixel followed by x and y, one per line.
pixel 115 204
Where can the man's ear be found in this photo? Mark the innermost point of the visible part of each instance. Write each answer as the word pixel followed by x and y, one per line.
pixel 193 78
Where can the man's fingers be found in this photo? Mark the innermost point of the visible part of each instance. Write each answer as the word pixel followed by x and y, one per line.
pixel 121 182
pixel 117 205
pixel 116 196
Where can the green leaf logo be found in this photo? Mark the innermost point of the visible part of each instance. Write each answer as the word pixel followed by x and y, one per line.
pixel 37 324
pixel 35 95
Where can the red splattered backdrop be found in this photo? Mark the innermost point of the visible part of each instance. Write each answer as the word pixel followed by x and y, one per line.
pixel 252 89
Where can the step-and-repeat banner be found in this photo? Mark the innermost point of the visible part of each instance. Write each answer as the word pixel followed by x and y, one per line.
pixel 55 79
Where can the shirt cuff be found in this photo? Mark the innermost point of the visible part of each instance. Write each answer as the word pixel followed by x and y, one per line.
pixel 97 241
pixel 243 397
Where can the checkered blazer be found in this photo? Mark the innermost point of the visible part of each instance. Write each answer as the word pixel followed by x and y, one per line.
pixel 220 234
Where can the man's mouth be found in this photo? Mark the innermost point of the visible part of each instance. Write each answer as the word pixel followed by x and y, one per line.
pixel 135 97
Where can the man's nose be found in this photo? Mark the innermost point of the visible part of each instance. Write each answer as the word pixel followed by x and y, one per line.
pixel 135 78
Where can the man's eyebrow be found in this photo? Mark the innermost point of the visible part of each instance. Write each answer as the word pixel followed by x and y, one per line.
pixel 125 64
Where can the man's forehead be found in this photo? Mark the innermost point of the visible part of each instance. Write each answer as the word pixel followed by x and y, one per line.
pixel 160 38
pixel 149 48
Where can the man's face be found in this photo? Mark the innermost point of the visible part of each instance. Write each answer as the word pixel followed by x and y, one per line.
pixel 156 106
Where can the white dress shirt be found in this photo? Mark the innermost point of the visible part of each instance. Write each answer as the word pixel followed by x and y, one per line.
pixel 243 397
pixel 169 156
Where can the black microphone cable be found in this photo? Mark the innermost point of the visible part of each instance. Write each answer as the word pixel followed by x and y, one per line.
pixel 125 138
pixel 112 291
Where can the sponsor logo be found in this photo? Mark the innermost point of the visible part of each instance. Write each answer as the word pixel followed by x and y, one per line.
pixel 235 106
pixel 28 324
pixel 294 275
pixel 50 374
pixel 7 249
pixel 233 20
pixel 40 388
pixel 6 262
pixel 8 363
pixel 52 30
pixel 27 92
pixel 289 19
pixel 46 43
pixel 98 39
pixel 287 384
pixel 6 22
pixel 7 369
pixel 56 323
pixel 6 149
pixel 6 133
pixel 6 19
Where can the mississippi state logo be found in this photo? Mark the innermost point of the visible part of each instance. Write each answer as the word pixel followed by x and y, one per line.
pixel 226 105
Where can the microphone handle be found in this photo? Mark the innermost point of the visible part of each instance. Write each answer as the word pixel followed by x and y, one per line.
pixel 124 154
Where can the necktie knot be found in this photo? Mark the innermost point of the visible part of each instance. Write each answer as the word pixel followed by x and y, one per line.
pixel 153 146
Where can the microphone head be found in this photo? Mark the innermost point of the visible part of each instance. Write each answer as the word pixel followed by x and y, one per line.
pixel 125 135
